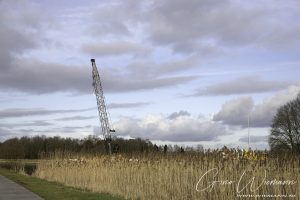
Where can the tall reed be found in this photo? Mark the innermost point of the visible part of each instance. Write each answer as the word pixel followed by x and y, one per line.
pixel 173 176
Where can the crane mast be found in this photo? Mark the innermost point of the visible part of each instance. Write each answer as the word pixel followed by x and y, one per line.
pixel 104 122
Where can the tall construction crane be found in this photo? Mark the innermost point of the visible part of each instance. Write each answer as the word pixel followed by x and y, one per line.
pixel 104 122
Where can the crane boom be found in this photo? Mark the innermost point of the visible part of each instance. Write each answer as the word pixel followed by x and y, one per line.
pixel 98 90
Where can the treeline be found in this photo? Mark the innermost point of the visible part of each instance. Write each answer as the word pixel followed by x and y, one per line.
pixel 39 146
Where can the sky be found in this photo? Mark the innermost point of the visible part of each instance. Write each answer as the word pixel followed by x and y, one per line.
pixel 175 72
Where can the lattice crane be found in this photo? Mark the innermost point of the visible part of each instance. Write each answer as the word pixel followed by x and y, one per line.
pixel 104 121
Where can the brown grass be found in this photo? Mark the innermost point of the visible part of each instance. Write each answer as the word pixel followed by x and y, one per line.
pixel 171 176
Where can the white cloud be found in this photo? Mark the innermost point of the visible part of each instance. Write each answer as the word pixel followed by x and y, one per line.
pixel 33 123
pixel 200 25
pixel 37 77
pixel 243 85
pixel 225 23
pixel 77 117
pixel 236 111
pixel 27 112
pixel 159 127
pixel 181 113
pixel 263 113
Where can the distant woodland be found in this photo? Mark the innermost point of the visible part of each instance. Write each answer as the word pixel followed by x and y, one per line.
pixel 42 146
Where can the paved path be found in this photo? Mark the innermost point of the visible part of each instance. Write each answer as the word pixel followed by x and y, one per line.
pixel 10 190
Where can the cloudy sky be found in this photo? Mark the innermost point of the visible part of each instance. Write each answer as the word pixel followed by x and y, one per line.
pixel 173 71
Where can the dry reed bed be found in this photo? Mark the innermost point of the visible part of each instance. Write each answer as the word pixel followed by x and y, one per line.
pixel 172 176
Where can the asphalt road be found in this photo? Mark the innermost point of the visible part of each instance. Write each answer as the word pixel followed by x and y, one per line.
pixel 10 190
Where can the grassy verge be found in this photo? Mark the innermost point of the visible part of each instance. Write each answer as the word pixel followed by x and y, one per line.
pixel 51 190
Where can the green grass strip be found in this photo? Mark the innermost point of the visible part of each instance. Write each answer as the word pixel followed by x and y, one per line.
pixel 51 190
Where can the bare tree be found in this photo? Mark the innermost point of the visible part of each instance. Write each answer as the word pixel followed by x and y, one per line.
pixel 285 131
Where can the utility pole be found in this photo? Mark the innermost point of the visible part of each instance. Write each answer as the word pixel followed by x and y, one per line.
pixel 249 131
pixel 104 122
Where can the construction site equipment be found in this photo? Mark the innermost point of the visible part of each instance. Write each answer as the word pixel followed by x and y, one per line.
pixel 102 110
